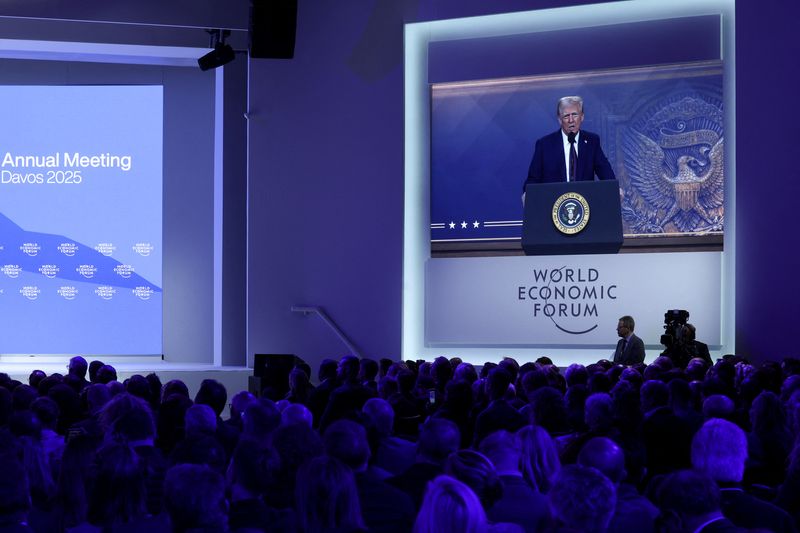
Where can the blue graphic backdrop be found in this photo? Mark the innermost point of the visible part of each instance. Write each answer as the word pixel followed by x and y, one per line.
pixel 661 128
pixel 80 237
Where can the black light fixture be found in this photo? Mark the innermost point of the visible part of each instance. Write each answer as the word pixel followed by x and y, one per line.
pixel 221 54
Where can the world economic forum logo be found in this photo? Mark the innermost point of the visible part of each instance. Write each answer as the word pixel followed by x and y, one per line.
pixel 49 271
pixel 87 271
pixel 571 299
pixel 106 248
pixel 143 293
pixel 143 248
pixel 30 248
pixel 68 292
pixel 31 292
pixel 106 292
pixel 68 248
pixel 570 213
pixel 124 271
pixel 12 271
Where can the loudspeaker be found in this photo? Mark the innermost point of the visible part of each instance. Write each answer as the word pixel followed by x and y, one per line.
pixel 273 26
pixel 273 371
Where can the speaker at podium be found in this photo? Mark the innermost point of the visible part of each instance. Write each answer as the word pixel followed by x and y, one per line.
pixel 569 218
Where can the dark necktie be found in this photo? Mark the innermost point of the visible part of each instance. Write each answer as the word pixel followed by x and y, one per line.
pixel 573 157
pixel 623 345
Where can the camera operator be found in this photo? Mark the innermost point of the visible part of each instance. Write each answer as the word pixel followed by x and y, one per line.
pixel 678 347
pixel 697 348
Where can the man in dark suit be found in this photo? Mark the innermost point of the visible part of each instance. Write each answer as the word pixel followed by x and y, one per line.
pixel 630 348
pixel 569 154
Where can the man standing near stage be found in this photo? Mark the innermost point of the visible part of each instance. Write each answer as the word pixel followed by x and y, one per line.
pixel 630 348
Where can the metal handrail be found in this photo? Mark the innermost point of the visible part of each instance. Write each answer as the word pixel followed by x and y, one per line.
pixel 307 310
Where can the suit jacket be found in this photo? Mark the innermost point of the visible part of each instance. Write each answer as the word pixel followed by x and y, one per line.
pixel 548 163
pixel 633 353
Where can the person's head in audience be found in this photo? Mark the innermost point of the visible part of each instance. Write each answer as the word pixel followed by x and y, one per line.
pixel 387 386
pixel 239 403
pixel 575 402
pixel 15 501
pixel 719 450
pixel 384 364
pixel 260 419
pixel 97 396
pixel 347 370
pixel 510 365
pixel 599 412
pixel 606 456
pixel 118 488
pixel 654 394
pixel 138 386
pixel 438 438
pixel 548 410
pixel 305 367
pixel 477 472
pixel 327 370
pixel 532 381
pixel 347 441
pixel 299 386
pixel 250 470
pixel 23 396
pixel 46 410
pixel 94 366
pixel 200 420
pixel 582 499
pixel 174 386
pixel 503 449
pixel 326 497
pixel 450 506
pixel 576 374
pixel 458 396
pixel 680 395
pixel 106 374
pixel 194 497
pixel 497 383
pixel 766 414
pixel 696 369
pixel 297 413
pixel 539 461
pixel 405 382
pixel 213 394
pixel 465 372
pixel 78 367
pixel 135 426
pixel 688 499
pixel 544 360
pixel 367 370
pixel 718 406
pixel 379 415
pixel 35 378
pixel 441 372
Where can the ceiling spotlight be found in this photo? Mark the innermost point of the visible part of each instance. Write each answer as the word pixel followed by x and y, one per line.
pixel 221 54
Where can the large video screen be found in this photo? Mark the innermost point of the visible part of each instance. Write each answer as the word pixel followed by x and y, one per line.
pixel 661 128
pixel 81 219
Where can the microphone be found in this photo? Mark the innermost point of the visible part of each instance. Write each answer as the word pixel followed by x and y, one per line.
pixel 571 137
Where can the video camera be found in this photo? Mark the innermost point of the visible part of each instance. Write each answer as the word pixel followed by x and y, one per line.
pixel 675 330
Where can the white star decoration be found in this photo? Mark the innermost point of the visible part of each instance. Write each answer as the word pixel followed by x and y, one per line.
pixel 452 225
pixel 463 225
pixel 476 224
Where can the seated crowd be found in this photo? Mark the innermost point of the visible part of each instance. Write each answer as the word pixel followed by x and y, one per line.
pixel 418 446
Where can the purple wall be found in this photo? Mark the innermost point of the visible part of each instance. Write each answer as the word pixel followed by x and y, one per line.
pixel 326 177
pixel 768 179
